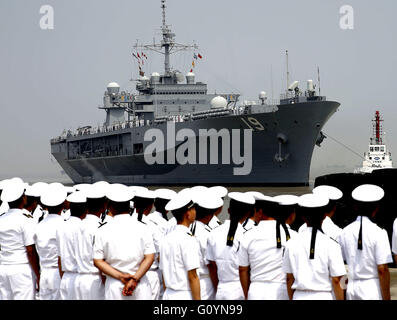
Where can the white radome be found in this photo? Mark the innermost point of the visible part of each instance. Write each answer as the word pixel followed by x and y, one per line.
pixel 218 102
pixel 113 85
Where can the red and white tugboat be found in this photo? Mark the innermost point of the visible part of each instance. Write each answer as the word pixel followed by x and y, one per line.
pixel 377 157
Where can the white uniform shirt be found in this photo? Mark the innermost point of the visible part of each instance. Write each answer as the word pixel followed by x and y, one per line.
pixel 37 213
pixel 85 244
pixel 225 257
pixel 313 274
pixel 157 218
pixel 171 224
pixel 45 240
pixel 328 227
pixel 363 264
pixel 157 236
pixel 248 224
pixel 123 243
pixel 179 253
pixel 67 239
pixel 394 238
pixel 4 207
pixel 202 232
pixel 258 249
pixel 214 222
pixel 16 232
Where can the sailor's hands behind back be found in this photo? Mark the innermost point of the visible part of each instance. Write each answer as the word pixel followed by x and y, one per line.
pixel 129 287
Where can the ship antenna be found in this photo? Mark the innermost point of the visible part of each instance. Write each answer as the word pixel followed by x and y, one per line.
pixel 318 79
pixel 286 54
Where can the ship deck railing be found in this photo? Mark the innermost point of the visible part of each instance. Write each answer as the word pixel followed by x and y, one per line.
pixel 87 131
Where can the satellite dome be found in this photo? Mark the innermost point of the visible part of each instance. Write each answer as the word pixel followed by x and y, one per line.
pixel 190 74
pixel 262 95
pixel 190 78
pixel 113 88
pixel 218 102
pixel 155 74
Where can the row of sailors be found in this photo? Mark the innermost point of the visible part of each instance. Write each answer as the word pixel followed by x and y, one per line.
pixel 107 250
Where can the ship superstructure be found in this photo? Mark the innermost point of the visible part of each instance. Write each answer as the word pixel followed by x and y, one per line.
pixel 378 156
pixel 173 131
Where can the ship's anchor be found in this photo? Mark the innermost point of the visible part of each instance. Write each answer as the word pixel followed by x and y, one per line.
pixel 278 157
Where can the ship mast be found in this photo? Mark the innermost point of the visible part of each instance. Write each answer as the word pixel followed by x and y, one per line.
pixel 377 128
pixel 168 43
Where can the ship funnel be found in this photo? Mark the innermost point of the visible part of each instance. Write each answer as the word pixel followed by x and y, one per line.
pixel 190 78
pixel 113 88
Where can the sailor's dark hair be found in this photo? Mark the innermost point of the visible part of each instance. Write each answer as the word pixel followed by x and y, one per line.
pixel 237 211
pixel 16 203
pixel 203 212
pixel 269 208
pixel 120 207
pixel 178 213
pixel 96 204
pixel 77 209
pixel 140 204
pixel 314 216
pixel 159 204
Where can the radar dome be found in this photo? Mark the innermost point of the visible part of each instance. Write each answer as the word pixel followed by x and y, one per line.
pixel 218 102
pixel 155 78
pixel 155 74
pixel 179 76
pixel 113 88
pixel 262 95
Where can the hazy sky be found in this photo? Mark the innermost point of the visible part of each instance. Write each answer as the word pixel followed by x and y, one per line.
pixel 52 80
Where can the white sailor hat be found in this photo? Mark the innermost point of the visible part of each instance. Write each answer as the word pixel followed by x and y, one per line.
pixel 16 180
pixel 95 191
pixel 331 192
pixel 311 200
pixel 144 193
pixel 53 196
pixel 166 194
pixel 119 193
pixel 368 193
pixel 69 189
pixel 82 186
pixel 137 189
pixel 12 191
pixel 77 197
pixel 187 191
pixel 219 190
pixel 208 200
pixel 179 201
pixel 33 191
pixel 286 199
pixel 242 197
pixel 260 196
pixel 40 187
pixel 198 189
pixel 101 183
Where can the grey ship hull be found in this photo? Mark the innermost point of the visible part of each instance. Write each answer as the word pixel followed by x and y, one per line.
pixel 300 123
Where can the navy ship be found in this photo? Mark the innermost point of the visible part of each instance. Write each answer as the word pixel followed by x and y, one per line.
pixel 172 131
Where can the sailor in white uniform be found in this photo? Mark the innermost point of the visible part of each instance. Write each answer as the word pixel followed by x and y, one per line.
pixel 366 248
pixel 67 239
pixel 255 218
pixel 222 192
pixel 124 250
pixel 223 246
pixel 143 202
pixel 313 261
pixel 206 204
pixel 159 215
pixel 53 199
pixel 334 195
pixel 287 211
pixel 89 284
pixel 39 213
pixel 261 255
pixel 18 257
pixel 180 252
pixel 171 224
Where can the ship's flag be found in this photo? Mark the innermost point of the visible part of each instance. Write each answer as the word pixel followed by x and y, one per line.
pixel 193 63
pixel 138 55
pixel 195 56
pixel 141 73
pixel 200 56
pixel 191 70
pixel 134 56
